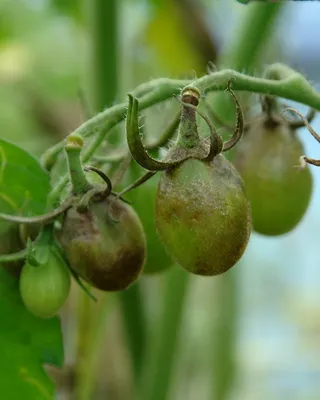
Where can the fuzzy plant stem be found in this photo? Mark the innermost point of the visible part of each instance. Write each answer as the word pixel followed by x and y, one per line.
pixel 77 176
pixel 244 50
pixel 188 135
pixel 292 86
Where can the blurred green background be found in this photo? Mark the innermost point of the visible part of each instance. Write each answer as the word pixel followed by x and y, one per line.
pixel 253 333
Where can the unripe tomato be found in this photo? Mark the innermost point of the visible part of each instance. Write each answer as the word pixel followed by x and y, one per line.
pixel 105 245
pixel 203 215
pixel 44 288
pixel 278 192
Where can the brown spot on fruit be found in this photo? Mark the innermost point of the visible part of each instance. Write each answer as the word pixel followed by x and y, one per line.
pixel 106 245
pixel 203 215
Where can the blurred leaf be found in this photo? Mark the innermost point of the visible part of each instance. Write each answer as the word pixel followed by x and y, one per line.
pixel 143 199
pixel 166 34
pixel 24 184
pixel 5 31
pixel 26 342
pixel 69 8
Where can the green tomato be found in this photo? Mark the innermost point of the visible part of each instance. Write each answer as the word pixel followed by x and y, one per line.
pixel 44 288
pixel 279 193
pixel 203 215
pixel 105 245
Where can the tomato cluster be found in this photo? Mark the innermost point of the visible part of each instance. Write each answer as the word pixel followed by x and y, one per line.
pixel 200 215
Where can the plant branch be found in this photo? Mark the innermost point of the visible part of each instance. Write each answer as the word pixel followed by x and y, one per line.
pixel 14 256
pixel 288 84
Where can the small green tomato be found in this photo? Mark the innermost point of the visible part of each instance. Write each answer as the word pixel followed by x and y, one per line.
pixel 279 192
pixel 44 288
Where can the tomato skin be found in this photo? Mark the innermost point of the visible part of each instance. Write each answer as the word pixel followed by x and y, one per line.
pixel 45 288
pixel 203 215
pixel 105 245
pixel 279 193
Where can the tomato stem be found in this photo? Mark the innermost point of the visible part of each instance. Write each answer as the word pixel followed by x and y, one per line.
pixel 292 86
pixel 39 219
pixel 78 179
pixel 188 135
pixel 20 255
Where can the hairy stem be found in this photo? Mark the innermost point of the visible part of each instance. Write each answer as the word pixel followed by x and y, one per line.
pixel 291 86
pixel 77 177
pixel 14 256
pixel 39 219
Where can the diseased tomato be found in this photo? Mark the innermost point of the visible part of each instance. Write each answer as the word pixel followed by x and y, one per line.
pixel 105 245
pixel 203 215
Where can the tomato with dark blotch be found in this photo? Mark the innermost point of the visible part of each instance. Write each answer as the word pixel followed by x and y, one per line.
pixel 203 215
pixel 45 287
pixel 279 193
pixel 105 245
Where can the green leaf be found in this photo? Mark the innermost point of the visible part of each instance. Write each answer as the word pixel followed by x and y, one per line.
pixel 26 343
pixel 24 184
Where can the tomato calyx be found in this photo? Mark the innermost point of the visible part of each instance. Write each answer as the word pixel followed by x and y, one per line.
pixel 189 144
